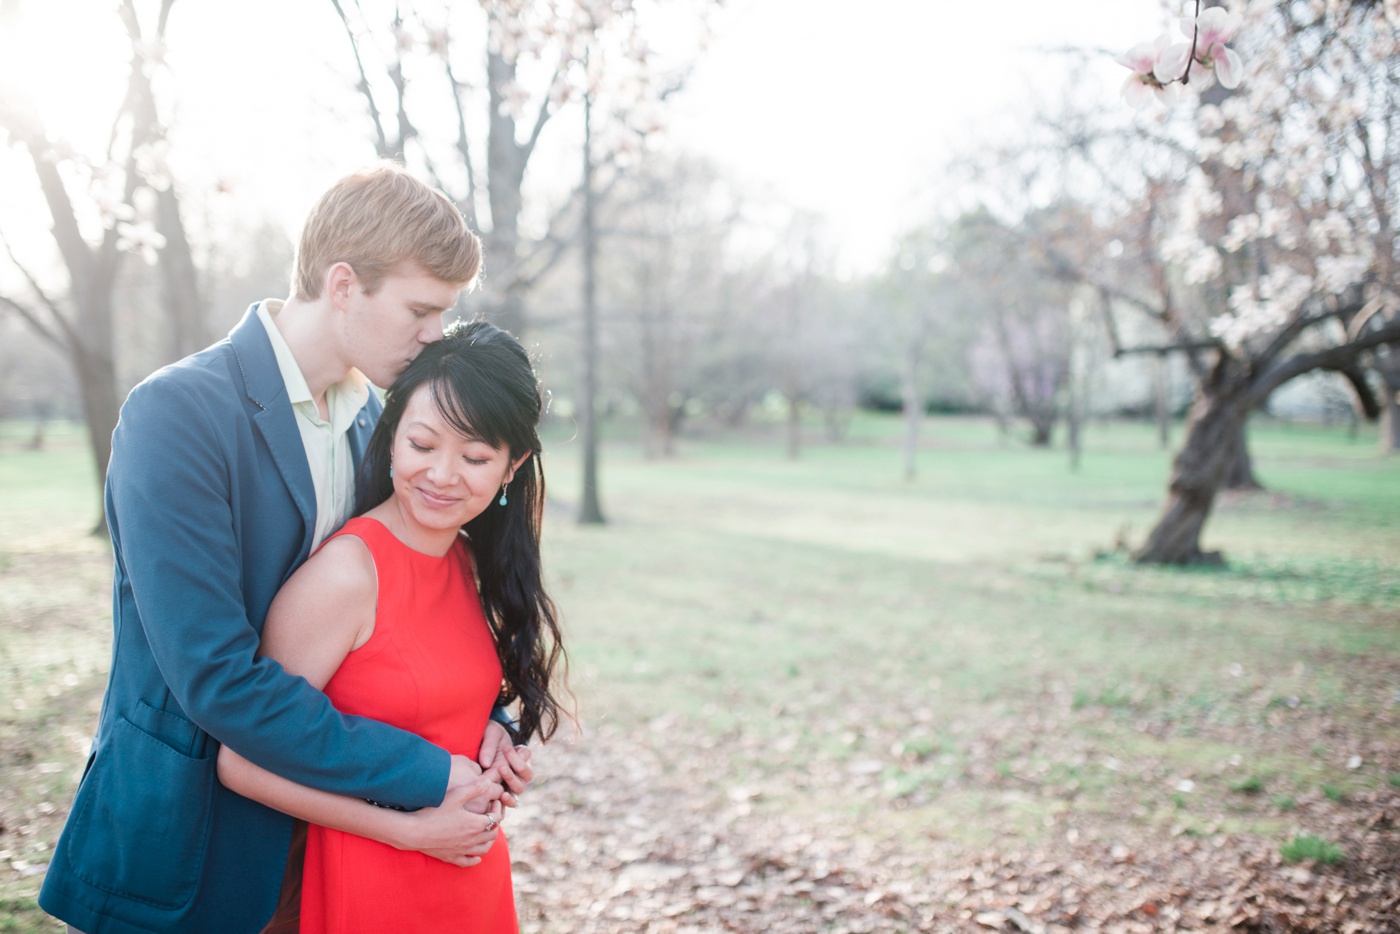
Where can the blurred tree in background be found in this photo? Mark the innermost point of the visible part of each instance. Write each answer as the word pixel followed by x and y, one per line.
pixel 1101 263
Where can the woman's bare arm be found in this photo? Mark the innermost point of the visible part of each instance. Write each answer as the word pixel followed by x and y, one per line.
pixel 324 612
pixel 455 832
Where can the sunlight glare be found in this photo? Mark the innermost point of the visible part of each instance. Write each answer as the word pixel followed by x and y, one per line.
pixel 67 65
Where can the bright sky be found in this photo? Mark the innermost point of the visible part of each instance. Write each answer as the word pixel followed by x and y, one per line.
pixel 847 109
pixel 852 109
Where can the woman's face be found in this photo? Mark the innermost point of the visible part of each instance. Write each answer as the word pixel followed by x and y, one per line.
pixel 441 478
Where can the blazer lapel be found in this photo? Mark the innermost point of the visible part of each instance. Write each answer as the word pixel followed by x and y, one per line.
pixel 273 416
pixel 360 432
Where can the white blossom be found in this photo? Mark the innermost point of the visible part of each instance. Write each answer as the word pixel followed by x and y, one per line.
pixel 1336 273
pixel 153 166
pixel 1240 230
pixel 140 238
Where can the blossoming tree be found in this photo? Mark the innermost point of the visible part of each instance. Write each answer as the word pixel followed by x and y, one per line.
pixel 1278 238
pixel 466 91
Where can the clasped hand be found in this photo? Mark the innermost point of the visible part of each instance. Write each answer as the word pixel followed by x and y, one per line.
pixel 463 828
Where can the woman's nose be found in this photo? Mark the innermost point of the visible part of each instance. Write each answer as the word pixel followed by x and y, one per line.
pixel 440 471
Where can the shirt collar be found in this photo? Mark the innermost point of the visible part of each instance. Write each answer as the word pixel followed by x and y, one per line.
pixel 343 399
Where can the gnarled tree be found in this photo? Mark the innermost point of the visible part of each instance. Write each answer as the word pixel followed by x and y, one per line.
pixel 1283 233
pixel 97 219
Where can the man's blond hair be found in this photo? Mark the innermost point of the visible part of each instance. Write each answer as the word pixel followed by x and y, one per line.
pixel 378 219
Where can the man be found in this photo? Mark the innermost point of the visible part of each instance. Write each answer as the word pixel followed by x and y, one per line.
pixel 227 469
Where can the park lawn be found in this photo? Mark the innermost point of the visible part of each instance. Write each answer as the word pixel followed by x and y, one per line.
pixel 974 648
pixel 825 643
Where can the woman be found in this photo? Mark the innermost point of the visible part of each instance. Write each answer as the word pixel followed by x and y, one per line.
pixel 387 619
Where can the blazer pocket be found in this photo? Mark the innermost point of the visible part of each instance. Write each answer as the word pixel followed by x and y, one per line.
pixel 141 818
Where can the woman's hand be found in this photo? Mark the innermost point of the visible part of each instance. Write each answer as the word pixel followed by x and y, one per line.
pixel 462 829
pixel 463 772
pixel 508 764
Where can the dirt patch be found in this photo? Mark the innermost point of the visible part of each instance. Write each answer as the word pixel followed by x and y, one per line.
pixel 609 840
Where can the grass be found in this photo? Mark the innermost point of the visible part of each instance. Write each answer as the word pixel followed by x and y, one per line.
pixel 1307 847
pixel 970 649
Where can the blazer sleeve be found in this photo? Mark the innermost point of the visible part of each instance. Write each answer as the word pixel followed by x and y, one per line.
pixel 172 492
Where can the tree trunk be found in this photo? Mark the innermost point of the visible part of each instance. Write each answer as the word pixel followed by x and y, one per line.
pixel 92 350
pixel 659 434
pixel 1042 430
pixel 184 310
pixel 505 174
pixel 1074 423
pixel 1213 430
pixel 1390 412
pixel 1161 398
pixel 913 410
pixel 97 386
pixel 837 419
pixel 590 511
pixel 1390 425
pixel 794 425
pixel 1240 475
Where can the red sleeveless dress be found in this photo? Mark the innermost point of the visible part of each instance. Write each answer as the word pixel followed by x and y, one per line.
pixel 431 668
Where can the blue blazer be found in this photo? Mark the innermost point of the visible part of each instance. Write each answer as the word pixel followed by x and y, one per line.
pixel 211 507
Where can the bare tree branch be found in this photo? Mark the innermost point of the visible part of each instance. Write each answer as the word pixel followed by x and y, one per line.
pixel 1340 308
pixel 64 325
pixel 467 204
pixel 552 247
pixel 164 17
pixel 381 145
pixel 1366 399
pixel 1332 358
pixel 1186 346
pixel 33 320
pixel 541 118
pixel 406 129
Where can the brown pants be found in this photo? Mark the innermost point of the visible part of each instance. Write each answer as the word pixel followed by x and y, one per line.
pixel 287 918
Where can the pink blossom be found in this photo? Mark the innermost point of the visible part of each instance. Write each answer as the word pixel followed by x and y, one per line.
pixel 1143 84
pixel 1210 31
pixel 1214 25
pixel 1171 62
pixel 1226 62
pixel 1143 56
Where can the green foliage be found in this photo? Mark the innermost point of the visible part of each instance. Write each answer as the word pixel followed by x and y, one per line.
pixel 1284 802
pixel 1334 793
pixel 1252 785
pixel 918 748
pixel 1307 847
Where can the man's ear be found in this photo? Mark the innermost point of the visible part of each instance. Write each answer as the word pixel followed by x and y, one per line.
pixel 340 280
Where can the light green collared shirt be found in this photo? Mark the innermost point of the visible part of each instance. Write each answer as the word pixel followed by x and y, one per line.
pixel 327 442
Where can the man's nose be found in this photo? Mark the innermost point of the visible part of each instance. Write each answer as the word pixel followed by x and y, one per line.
pixel 432 331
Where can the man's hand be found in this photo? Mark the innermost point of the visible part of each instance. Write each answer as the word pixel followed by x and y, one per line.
pixel 464 772
pixel 507 763
pixel 462 829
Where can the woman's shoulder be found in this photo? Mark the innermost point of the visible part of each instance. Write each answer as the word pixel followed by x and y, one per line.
pixel 343 566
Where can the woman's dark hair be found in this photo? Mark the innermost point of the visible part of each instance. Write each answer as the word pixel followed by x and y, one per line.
pixel 484 386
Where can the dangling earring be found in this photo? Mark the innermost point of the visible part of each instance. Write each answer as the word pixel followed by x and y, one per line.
pixel 502 500
pixel 391 470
